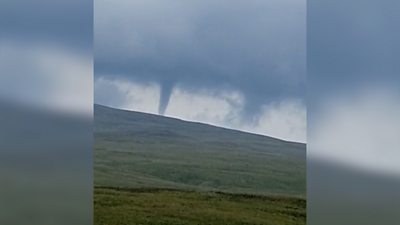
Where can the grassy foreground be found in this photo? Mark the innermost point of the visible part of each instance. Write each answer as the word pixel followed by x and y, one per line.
pixel 163 207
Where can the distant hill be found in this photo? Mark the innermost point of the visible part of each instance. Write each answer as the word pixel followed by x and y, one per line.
pixel 134 149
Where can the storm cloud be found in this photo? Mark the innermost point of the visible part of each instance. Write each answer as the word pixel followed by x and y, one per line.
pixel 67 23
pixel 255 47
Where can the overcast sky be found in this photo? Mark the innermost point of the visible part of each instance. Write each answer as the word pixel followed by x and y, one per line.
pixel 46 54
pixel 354 83
pixel 238 64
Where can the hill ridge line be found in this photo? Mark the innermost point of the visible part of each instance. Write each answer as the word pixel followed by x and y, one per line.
pixel 196 122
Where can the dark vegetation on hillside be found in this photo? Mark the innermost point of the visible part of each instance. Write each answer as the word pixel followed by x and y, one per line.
pixel 176 207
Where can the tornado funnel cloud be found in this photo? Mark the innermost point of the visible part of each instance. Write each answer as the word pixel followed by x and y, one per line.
pixel 165 95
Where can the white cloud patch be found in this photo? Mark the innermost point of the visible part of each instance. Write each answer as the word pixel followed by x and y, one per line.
pixel 285 119
pixel 204 107
pixel 360 130
pixel 46 75
pixel 127 95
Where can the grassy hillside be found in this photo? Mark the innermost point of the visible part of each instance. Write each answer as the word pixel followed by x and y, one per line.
pixel 164 207
pixel 136 150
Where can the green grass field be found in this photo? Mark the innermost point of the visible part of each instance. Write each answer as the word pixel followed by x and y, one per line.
pixel 173 207
pixel 161 170
pixel 142 150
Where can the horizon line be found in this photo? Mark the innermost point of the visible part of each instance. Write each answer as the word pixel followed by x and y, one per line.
pixel 198 122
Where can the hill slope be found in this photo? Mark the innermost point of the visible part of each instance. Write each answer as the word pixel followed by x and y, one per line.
pixel 135 149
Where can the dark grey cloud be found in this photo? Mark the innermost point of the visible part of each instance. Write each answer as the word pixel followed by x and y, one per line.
pixel 68 23
pixel 255 47
pixel 350 46
pixel 353 49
